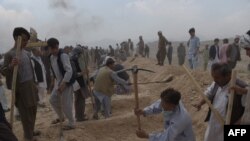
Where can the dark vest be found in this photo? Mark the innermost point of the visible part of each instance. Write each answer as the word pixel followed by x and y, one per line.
pixel 38 70
pixel 237 110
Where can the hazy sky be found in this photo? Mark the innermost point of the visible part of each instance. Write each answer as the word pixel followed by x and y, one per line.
pixel 96 21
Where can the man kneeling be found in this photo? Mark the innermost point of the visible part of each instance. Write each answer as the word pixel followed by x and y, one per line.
pixel 177 122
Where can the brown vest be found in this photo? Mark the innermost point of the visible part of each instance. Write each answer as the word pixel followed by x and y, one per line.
pixel 104 83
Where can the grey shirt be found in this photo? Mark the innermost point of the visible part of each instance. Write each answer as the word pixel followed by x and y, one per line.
pixel 25 71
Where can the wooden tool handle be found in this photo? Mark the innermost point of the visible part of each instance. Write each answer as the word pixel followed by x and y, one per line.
pixel 200 91
pixel 136 99
pixel 231 98
pixel 13 87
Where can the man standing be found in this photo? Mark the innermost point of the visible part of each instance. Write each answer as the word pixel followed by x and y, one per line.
pixel 62 94
pixel 131 47
pixel 218 93
pixel 223 51
pixel 3 98
pixel 214 52
pixel 193 49
pixel 40 75
pixel 162 51
pixel 111 51
pixel 141 46
pixel 205 57
pixel 170 53
pixel 181 52
pixel 147 51
pixel 26 90
pixel 233 53
pixel 177 122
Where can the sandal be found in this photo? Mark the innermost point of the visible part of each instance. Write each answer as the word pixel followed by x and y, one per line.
pixel 56 121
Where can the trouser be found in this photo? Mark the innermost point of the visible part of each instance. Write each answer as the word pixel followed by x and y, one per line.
pixel 3 99
pixel 147 54
pixel 193 62
pixel 79 105
pixel 205 64
pixel 105 102
pixel 6 134
pixel 161 55
pixel 181 60
pixel 169 59
pixel 28 118
pixel 41 95
pixel 63 103
pixel 232 64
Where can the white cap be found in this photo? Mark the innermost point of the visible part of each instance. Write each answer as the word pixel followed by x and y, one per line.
pixel 245 41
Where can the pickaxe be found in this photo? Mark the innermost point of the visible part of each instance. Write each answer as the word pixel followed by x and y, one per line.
pixel 135 71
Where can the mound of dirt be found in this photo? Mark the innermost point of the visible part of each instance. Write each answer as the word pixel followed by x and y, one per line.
pixel 122 125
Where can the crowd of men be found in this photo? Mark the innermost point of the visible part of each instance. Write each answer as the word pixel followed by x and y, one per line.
pixel 65 74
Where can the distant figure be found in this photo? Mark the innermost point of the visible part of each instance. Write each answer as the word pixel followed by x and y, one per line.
pixel 141 46
pixel 223 51
pixel 233 53
pixel 170 53
pixel 162 51
pixel 111 51
pixel 131 47
pixel 181 52
pixel 97 56
pixel 214 53
pixel 147 51
pixel 205 57
pixel 193 49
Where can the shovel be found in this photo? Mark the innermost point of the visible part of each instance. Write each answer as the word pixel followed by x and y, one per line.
pixel 169 79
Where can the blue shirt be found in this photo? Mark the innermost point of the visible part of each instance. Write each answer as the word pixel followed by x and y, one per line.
pixel 177 127
pixel 193 46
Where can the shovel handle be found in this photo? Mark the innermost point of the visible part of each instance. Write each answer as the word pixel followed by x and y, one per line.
pixel 136 99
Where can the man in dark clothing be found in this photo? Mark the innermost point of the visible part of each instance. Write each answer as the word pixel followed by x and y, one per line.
pixel 162 51
pixel 112 51
pixel 181 53
pixel 170 53
pixel 141 46
pixel 233 53
pixel 147 51
pixel 5 130
pixel 214 51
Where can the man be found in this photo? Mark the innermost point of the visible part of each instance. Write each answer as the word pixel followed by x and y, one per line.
pixel 177 121
pixel 162 51
pixel 170 53
pixel 46 62
pixel 233 53
pixel 214 52
pixel 5 130
pixel 79 57
pixel 141 46
pixel 104 91
pixel 205 57
pixel 131 47
pixel 181 53
pixel 245 43
pixel 62 94
pixel 111 51
pixel 193 49
pixel 147 51
pixel 26 90
pixel 218 93
pixel 40 75
pixel 97 56
pixel 223 51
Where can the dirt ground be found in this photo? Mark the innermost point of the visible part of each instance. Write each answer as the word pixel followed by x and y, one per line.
pixel 122 125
